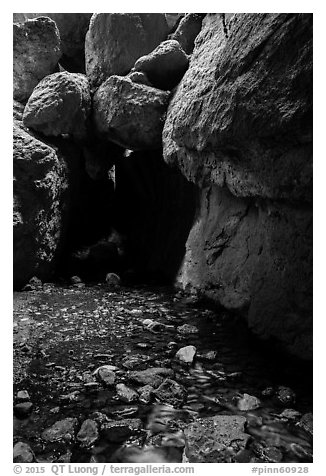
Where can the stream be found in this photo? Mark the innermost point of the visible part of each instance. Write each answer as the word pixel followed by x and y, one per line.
pixel 79 396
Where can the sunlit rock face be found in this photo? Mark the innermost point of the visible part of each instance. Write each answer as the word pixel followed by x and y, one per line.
pixel 37 51
pixel 115 41
pixel 240 127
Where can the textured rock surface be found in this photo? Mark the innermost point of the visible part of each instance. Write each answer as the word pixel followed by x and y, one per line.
pixel 241 120
pixel 63 430
pixel 165 65
pixel 36 54
pixel 129 114
pixel 60 104
pixel 116 40
pixel 208 438
pixel 72 28
pixel 40 180
pixel 187 31
pixel 241 116
pixel 23 453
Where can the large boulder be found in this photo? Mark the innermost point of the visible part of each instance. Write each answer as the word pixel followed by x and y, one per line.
pixel 165 65
pixel 40 180
pixel 131 115
pixel 60 104
pixel 187 31
pixel 239 127
pixel 73 28
pixel 36 54
pixel 116 40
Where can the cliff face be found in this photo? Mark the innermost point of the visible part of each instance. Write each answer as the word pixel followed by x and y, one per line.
pixel 240 127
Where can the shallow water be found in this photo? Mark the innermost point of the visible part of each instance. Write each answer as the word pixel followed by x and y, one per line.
pixel 62 334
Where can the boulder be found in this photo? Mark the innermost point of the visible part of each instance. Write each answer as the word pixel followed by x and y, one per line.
pixel 187 31
pixel 129 114
pixel 40 182
pixel 115 41
pixel 208 438
pixel 72 28
pixel 165 65
pixel 36 54
pixel 240 127
pixel 59 105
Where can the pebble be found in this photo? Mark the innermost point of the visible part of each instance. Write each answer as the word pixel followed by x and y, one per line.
pixel 105 375
pixel 126 394
pixel 23 410
pixel 23 396
pixel 186 329
pixel 75 280
pixel 23 453
pixel 112 280
pixel 88 433
pixel 248 402
pixel 145 394
pixel 186 354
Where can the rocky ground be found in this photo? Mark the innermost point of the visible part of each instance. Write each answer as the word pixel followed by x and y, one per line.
pixel 143 374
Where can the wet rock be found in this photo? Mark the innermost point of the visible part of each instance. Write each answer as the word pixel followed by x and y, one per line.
pixel 135 361
pixel 62 430
pixel 126 394
pixel 119 431
pixel 23 396
pixel 153 376
pixel 23 453
pixel 171 392
pixel 306 423
pixel 186 354
pixel 209 437
pixel 145 394
pixel 116 40
pixel 210 355
pixel 23 410
pixel 285 396
pixel 112 280
pixel 187 329
pixel 88 433
pixel 36 54
pixel 154 326
pixel 105 375
pixel 39 196
pixel 140 78
pixel 75 280
pixel 59 105
pixel 187 31
pixel 126 411
pixel 290 414
pixel 129 114
pixel 248 402
pixel 165 65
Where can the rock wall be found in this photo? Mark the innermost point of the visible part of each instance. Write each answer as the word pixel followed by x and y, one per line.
pixel 240 127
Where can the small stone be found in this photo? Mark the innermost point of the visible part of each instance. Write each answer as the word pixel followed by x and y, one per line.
pixel 285 396
pixel 135 361
pixel 211 355
pixel 126 394
pixel 119 431
pixel 290 414
pixel 88 433
pixel 62 430
pixel 23 396
pixel 23 410
pixel 268 392
pixel 248 402
pixel 105 375
pixel 75 279
pixel 187 329
pixel 23 453
pixel 145 394
pixel 171 392
pixel 306 423
pixel 186 354
pixel 113 280
pixel 172 345
pixel 153 376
